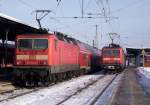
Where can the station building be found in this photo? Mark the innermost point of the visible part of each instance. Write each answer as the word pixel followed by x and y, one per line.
pixel 138 57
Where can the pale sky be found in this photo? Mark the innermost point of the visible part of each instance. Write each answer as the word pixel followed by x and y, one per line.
pixel 132 22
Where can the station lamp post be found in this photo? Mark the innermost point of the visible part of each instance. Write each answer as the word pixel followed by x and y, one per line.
pixel 143 55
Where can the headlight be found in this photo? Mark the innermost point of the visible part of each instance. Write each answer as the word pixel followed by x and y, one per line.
pixel 45 63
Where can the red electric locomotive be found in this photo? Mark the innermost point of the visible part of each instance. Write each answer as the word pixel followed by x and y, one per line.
pixel 113 57
pixel 42 59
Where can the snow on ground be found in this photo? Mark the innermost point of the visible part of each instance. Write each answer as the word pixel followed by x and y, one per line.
pixel 110 92
pixel 54 94
pixel 88 95
pixel 144 78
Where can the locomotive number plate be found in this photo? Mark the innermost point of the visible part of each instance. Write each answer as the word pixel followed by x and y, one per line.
pixel 32 57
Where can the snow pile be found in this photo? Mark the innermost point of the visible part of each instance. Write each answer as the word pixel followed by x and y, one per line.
pixel 144 78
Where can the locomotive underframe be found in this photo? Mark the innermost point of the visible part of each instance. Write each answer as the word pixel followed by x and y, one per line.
pixel 112 66
pixel 43 76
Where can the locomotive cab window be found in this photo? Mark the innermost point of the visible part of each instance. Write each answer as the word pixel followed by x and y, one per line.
pixel 25 43
pixel 40 44
pixel 35 44
pixel 111 52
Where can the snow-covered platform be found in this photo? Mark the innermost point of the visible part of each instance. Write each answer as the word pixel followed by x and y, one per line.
pixel 132 89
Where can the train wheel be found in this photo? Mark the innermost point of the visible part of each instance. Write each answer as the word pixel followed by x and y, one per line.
pixel 64 76
pixel 46 81
pixel 53 78
pixel 74 74
pixel 16 81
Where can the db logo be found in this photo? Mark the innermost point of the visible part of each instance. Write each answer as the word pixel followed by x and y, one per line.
pixel 32 57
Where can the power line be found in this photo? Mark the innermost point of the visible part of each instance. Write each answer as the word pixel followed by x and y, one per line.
pixel 86 17
pixel 128 6
pixel 26 4
pixel 107 2
pixel 87 5
pixel 99 6
pixel 58 2
pixel 82 8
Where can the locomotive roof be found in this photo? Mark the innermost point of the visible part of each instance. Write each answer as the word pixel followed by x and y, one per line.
pixel 59 35
pixel 88 47
pixel 65 37
pixel 112 45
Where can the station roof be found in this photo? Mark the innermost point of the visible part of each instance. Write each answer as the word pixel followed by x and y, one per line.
pixel 13 27
pixel 136 51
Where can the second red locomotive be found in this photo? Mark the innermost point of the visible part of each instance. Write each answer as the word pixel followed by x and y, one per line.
pixel 113 58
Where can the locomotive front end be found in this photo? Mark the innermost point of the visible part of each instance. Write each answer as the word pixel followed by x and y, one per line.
pixel 32 63
pixel 32 51
pixel 111 59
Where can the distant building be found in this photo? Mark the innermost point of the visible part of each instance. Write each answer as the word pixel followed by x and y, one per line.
pixel 138 57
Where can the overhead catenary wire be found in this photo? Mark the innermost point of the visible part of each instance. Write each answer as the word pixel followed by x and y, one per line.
pixel 88 3
pixel 100 7
pixel 89 17
pixel 108 6
pixel 58 2
pixel 26 4
pixel 128 6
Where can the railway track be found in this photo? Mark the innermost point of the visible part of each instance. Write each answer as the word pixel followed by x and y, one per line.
pixel 11 94
pixel 80 90
pixel 87 86
pixel 102 92
pixel 7 95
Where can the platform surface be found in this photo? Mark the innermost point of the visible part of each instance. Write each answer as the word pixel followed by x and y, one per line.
pixel 130 92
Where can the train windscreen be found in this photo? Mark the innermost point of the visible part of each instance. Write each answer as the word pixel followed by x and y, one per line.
pixel 34 44
pixel 111 52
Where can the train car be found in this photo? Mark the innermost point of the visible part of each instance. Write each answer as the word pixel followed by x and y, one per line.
pixel 42 59
pixel 96 59
pixel 113 58
pixel 91 56
pixel 84 57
